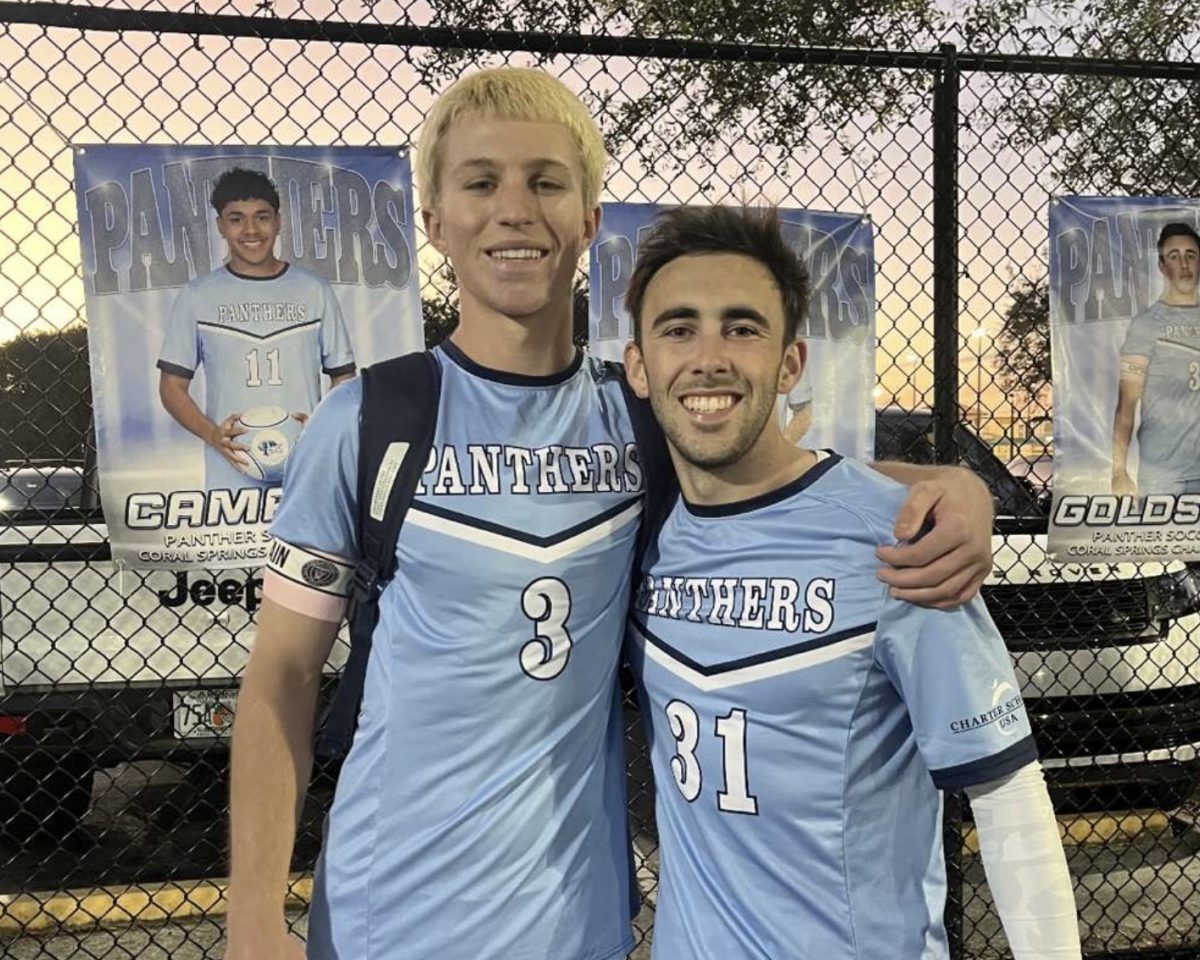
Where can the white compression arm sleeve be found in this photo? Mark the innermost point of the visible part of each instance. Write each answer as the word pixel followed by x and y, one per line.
pixel 1025 865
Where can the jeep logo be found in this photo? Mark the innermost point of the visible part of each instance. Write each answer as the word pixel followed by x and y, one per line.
pixel 203 592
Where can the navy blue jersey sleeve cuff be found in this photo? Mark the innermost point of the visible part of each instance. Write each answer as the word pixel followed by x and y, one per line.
pixel 167 367
pixel 340 371
pixel 985 769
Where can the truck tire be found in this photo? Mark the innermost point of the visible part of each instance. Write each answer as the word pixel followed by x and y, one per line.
pixel 44 797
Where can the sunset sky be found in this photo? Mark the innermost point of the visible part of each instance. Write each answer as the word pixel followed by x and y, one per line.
pixel 67 88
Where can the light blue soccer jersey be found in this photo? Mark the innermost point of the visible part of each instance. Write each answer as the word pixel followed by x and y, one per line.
pixel 1169 431
pixel 801 724
pixel 263 341
pixel 480 813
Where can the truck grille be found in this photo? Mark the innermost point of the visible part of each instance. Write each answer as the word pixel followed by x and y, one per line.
pixel 1067 615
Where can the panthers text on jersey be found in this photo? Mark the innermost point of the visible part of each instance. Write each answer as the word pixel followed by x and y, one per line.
pixel 480 812
pixel 263 341
pixel 801 724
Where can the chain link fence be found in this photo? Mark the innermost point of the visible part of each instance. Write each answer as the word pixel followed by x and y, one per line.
pixel 950 131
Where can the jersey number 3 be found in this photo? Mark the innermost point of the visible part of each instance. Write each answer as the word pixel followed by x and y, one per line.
pixel 731 728
pixel 547 602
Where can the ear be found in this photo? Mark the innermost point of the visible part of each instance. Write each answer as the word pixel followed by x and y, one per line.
pixel 433 229
pixel 635 370
pixel 221 227
pixel 795 359
pixel 591 225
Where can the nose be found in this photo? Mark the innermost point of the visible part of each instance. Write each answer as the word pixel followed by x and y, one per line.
pixel 515 204
pixel 710 357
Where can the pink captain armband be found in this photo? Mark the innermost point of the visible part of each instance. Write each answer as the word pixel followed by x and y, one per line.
pixel 308 582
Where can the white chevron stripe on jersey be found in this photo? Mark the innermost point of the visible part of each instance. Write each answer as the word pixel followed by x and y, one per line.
pixel 490 536
pixel 1182 347
pixel 221 329
pixel 754 672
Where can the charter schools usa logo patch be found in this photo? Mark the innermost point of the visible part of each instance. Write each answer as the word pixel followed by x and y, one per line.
pixel 1005 712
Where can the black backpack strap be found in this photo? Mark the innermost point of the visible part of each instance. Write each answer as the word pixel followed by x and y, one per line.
pixel 661 489
pixel 658 473
pixel 396 427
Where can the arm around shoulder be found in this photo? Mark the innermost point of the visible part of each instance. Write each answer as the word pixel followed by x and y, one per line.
pixel 945 529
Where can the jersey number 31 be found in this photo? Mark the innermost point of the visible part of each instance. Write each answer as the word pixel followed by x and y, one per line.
pixel 731 728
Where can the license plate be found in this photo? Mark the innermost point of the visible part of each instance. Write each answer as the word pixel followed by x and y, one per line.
pixel 204 713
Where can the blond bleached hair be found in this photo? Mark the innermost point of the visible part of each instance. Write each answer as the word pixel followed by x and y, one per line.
pixel 511 93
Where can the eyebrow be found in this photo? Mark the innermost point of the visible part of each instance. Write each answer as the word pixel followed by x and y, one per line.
pixel 485 163
pixel 735 312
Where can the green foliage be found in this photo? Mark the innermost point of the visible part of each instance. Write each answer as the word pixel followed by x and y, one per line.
pixel 672 108
pixel 1102 135
pixel 45 396
pixel 1023 346
pixel 440 316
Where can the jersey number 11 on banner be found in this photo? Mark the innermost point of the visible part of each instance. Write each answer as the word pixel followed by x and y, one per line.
pixel 254 366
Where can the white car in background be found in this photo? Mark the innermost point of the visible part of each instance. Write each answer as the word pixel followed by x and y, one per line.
pixel 1108 656
pixel 101 665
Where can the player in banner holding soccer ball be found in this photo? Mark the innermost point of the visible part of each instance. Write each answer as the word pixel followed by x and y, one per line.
pixel 268 434
pixel 264 330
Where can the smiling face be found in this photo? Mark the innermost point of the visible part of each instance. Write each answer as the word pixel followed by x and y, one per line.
pixel 712 358
pixel 510 217
pixel 250 228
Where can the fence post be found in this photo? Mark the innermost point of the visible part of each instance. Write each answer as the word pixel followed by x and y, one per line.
pixel 945 391
pixel 945 255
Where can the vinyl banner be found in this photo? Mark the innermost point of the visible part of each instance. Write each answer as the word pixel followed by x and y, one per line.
pixel 182 343
pixel 836 387
pixel 1125 340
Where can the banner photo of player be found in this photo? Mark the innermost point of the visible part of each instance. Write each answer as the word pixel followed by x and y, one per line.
pixel 1125 345
pixel 832 405
pixel 227 289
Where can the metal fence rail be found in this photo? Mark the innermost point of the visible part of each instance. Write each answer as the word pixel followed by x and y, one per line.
pixel 952 146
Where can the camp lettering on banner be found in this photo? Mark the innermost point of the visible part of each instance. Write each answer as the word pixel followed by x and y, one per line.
pixel 164 310
pixel 836 388
pixel 1125 341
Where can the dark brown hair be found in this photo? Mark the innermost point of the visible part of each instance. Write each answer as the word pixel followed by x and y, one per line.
pixel 1177 230
pixel 241 184
pixel 751 231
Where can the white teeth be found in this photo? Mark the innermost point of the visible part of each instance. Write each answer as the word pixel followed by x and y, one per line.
pixel 708 404
pixel 516 254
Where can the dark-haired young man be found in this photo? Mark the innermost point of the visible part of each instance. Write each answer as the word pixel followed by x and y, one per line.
pixel 801 721
pixel 1160 373
pixel 263 330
